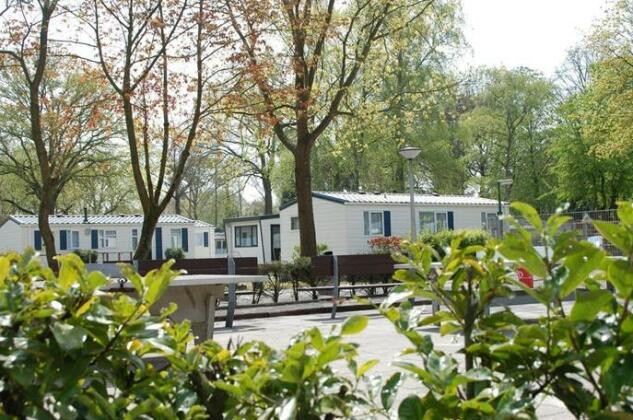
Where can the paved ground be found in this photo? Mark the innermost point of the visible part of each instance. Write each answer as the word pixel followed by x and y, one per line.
pixel 378 341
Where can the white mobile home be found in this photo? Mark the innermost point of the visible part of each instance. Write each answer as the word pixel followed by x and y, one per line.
pixel 345 221
pixel 254 236
pixel 113 237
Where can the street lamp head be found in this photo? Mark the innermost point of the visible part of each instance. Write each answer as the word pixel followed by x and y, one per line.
pixel 506 181
pixel 410 152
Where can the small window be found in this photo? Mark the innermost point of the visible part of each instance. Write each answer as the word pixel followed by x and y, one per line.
pixel 373 223
pixel 134 239
pixel 74 239
pixel 200 239
pixel 220 245
pixel 107 239
pixel 294 223
pixel 245 236
pixel 441 222
pixel 175 238
pixel 427 221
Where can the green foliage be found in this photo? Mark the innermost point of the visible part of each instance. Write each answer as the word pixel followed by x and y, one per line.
pixel 175 253
pixel 442 240
pixel 68 350
pixel 277 273
pixel 86 255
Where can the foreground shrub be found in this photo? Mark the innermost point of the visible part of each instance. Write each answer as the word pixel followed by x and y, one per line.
pixel 69 350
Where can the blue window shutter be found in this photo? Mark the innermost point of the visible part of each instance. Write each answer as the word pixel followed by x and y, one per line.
pixel 63 239
pixel 158 233
pixel 451 221
pixel 205 239
pixel 37 240
pixel 185 239
pixel 94 239
pixel 387 221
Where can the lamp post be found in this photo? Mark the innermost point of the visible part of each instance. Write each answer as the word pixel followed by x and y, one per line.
pixel 410 153
pixel 500 182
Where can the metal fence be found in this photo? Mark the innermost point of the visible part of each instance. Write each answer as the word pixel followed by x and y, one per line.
pixel 582 222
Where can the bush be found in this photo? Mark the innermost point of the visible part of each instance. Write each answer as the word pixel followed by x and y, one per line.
pixel 441 241
pixel 277 273
pixel 175 253
pixel 384 244
pixel 87 255
pixel 68 350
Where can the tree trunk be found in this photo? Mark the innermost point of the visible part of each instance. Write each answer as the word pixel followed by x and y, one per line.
pixel 144 249
pixel 46 209
pixel 268 195
pixel 303 183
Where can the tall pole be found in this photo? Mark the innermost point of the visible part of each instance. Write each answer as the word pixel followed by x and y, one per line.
pixel 499 210
pixel 412 201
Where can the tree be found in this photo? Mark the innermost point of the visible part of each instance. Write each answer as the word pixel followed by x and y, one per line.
pixel 143 50
pixel 302 57
pixel 65 113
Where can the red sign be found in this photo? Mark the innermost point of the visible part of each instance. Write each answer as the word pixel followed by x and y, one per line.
pixel 525 277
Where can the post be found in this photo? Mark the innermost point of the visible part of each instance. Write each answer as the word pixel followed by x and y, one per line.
pixel 230 310
pixel 412 201
pixel 335 280
pixel 499 210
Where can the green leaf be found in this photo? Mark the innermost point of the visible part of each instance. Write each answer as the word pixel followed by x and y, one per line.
pixel 529 213
pixel 580 265
pixel 589 304
pixel 617 235
pixel 625 212
pixel 70 271
pixel 389 390
pixel 5 266
pixel 132 276
pixel 411 408
pixel 69 337
pixel 620 274
pixel 354 325
pixel 362 369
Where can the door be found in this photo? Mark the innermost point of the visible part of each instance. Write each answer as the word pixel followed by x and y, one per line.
pixel 275 242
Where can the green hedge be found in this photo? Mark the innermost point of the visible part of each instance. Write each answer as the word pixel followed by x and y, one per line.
pixel 441 241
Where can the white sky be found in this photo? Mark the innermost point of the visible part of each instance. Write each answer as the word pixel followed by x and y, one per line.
pixel 531 33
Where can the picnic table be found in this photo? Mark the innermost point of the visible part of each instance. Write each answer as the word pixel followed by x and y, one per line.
pixel 196 296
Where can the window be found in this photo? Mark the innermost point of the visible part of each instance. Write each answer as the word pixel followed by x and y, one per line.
pixel 373 223
pixel 107 239
pixel 175 238
pixel 441 222
pixel 294 223
pixel 134 239
pixel 427 221
pixel 433 222
pixel 200 239
pixel 220 246
pixel 245 236
pixel 74 239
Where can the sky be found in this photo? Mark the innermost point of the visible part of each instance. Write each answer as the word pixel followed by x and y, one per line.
pixel 531 33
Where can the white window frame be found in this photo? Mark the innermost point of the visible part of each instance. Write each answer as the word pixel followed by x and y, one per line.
pixel 175 233
pixel 368 223
pixel 200 239
pixel 435 224
pixel 254 240
pixel 107 238
pixel 294 223
pixel 71 236
pixel 134 239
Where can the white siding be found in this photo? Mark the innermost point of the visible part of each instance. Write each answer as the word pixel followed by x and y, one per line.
pixel 341 226
pixel 263 250
pixel 11 237
pixel 197 251
pixel 330 223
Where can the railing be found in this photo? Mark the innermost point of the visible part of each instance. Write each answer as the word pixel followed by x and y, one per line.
pixel 114 256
